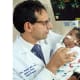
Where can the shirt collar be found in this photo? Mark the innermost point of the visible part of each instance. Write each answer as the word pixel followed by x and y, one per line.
pixel 25 43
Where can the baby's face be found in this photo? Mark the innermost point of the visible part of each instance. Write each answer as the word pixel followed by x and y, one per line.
pixel 70 40
pixel 73 33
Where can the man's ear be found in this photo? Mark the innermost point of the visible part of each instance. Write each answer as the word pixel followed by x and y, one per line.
pixel 28 27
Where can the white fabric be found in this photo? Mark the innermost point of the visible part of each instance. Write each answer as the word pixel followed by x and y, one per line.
pixel 64 72
pixel 27 66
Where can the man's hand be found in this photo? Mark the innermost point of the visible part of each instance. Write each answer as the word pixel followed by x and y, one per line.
pixel 60 58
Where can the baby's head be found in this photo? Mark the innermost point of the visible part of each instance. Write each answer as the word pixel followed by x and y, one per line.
pixel 72 38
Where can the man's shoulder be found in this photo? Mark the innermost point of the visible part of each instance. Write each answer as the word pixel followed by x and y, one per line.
pixel 17 44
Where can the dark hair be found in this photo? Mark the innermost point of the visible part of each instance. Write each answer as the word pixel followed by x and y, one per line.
pixel 77 75
pixel 25 12
pixel 78 33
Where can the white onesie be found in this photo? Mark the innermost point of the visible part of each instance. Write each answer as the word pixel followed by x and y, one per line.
pixel 65 71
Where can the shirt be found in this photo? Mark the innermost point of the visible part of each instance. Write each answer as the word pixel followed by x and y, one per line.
pixel 26 65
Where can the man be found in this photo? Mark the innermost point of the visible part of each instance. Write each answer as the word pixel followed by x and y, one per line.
pixel 30 18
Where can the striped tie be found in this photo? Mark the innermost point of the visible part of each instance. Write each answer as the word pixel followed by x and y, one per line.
pixel 38 52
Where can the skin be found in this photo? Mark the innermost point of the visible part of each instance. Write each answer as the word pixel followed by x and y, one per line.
pixel 69 43
pixel 38 31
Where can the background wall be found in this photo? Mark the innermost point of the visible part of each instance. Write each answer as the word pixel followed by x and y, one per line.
pixel 58 26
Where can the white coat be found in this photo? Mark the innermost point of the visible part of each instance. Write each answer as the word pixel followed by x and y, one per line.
pixel 27 66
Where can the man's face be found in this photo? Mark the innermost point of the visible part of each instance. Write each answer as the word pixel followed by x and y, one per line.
pixel 41 27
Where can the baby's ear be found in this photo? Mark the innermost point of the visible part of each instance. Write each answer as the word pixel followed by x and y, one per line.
pixel 79 43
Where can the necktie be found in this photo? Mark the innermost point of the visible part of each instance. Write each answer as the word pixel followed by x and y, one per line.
pixel 38 52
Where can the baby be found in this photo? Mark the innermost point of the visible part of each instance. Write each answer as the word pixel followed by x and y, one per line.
pixel 72 41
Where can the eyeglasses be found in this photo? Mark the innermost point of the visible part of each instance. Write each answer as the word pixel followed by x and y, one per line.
pixel 44 23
